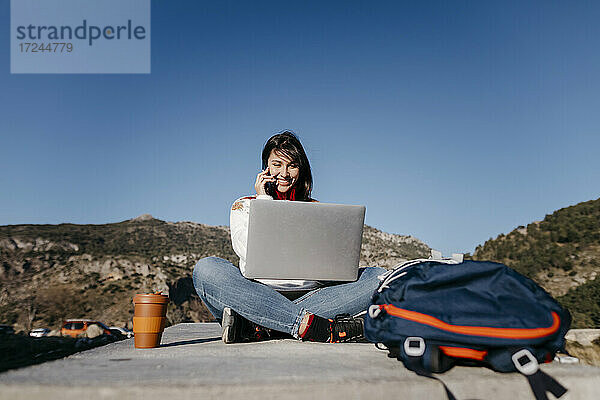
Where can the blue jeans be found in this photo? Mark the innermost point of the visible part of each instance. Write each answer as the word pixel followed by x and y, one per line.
pixel 220 284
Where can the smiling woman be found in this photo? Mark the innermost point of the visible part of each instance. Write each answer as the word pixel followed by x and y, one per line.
pixel 286 171
pixel 250 310
pixel 283 170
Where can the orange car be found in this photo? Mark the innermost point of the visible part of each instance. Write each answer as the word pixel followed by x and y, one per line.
pixel 74 327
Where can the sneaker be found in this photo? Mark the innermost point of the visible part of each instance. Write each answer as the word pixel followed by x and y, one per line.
pixel 237 329
pixel 345 328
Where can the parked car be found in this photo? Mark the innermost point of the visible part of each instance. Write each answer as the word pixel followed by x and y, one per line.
pixel 6 330
pixel 74 327
pixel 39 332
pixel 116 331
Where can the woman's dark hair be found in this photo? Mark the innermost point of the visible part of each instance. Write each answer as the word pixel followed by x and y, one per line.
pixel 287 144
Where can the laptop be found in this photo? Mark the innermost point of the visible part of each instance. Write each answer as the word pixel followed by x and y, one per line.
pixel 306 241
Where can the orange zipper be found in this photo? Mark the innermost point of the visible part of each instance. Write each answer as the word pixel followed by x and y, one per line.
pixel 504 333
pixel 463 352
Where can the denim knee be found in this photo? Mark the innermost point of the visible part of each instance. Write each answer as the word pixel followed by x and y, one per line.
pixel 207 270
pixel 372 272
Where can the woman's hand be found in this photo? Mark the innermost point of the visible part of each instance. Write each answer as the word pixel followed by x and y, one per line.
pixel 261 180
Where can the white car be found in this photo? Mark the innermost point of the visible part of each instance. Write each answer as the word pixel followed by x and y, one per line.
pixel 125 332
pixel 39 332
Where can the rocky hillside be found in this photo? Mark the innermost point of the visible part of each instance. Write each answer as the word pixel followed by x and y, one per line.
pixel 561 253
pixel 380 249
pixel 52 272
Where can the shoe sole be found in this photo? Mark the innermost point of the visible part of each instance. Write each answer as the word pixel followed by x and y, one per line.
pixel 359 338
pixel 227 322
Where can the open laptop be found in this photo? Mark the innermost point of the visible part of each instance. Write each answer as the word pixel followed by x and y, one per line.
pixel 301 240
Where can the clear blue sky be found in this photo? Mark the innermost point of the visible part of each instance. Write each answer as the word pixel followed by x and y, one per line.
pixel 451 121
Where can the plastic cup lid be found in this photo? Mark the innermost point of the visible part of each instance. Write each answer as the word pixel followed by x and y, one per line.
pixel 153 298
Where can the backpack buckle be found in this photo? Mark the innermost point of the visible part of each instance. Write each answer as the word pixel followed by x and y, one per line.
pixel 525 362
pixel 414 346
pixel 375 310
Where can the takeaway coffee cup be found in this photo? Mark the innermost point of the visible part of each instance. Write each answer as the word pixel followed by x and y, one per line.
pixel 149 319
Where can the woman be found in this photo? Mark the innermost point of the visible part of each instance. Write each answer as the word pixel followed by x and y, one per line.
pixel 255 309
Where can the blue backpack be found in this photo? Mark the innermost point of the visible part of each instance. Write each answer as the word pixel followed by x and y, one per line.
pixel 434 314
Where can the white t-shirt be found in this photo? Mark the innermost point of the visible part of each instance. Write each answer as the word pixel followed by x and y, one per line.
pixel 238 224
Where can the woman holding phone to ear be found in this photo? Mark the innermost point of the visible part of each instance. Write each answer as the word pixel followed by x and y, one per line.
pixel 250 310
pixel 286 172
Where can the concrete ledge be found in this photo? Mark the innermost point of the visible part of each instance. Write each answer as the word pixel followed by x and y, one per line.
pixel 194 363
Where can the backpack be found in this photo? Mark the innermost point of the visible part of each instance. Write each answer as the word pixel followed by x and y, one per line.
pixel 434 314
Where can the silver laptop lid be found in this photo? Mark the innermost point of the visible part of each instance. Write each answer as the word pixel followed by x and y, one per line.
pixel 301 240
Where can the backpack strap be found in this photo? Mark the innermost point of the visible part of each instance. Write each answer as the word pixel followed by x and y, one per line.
pixel 458 257
pixel 539 381
pixel 435 255
pixel 399 270
pixel 414 349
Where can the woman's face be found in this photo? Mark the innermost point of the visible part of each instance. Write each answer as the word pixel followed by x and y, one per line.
pixel 284 169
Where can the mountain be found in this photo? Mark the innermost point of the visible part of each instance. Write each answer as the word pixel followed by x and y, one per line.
pixel 561 253
pixel 52 272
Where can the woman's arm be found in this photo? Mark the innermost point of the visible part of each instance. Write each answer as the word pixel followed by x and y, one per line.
pixel 238 224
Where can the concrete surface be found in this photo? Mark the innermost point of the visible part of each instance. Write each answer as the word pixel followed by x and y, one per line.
pixel 193 363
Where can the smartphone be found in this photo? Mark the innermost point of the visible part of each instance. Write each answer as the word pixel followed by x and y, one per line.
pixel 270 186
